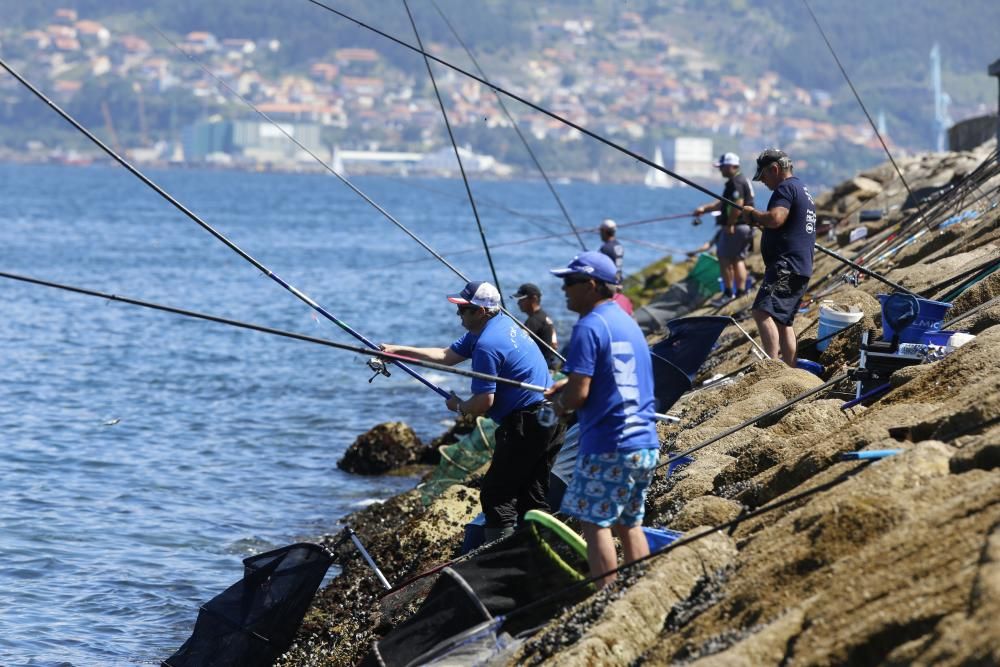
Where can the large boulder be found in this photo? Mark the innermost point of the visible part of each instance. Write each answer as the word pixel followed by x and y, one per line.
pixel 383 448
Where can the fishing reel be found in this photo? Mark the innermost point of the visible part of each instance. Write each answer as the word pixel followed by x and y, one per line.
pixel 379 367
pixel 696 221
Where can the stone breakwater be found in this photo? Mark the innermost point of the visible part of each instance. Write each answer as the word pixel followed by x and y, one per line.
pixel 893 562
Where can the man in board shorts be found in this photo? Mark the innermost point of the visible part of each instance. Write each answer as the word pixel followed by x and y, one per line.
pixel 734 238
pixel 786 244
pixel 610 386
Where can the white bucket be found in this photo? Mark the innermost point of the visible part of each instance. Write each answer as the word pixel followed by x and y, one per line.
pixel 832 321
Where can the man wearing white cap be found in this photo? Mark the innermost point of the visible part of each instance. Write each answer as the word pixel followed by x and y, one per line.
pixel 611 247
pixel 733 238
pixel 518 478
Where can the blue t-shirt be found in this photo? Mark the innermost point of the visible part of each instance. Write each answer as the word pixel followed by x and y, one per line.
pixel 504 349
pixel 618 414
pixel 792 243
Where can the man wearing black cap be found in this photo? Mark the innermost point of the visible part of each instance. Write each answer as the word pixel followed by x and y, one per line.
pixel 529 300
pixel 786 244
pixel 518 477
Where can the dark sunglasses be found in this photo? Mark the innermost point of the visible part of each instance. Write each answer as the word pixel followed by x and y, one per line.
pixel 466 309
pixel 575 280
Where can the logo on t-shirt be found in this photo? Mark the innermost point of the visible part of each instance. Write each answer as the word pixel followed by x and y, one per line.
pixel 628 384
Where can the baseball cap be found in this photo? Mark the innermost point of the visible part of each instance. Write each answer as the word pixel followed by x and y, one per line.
pixel 527 289
pixel 591 264
pixel 477 293
pixel 766 159
pixel 608 223
pixel 728 159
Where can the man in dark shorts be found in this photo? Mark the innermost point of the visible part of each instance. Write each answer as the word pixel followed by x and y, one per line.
pixel 786 244
pixel 518 477
pixel 529 301
pixel 734 238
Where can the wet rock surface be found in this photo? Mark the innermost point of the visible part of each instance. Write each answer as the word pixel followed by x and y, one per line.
pixel 832 562
pixel 385 447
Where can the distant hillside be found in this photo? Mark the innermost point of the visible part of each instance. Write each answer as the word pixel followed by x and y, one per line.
pixel 884 47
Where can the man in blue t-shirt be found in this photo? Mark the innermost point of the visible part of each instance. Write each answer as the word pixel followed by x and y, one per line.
pixel 787 248
pixel 518 478
pixel 610 386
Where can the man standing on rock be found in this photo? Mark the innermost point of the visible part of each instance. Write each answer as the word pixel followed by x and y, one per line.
pixel 529 301
pixel 610 386
pixel 611 247
pixel 518 478
pixel 733 239
pixel 786 244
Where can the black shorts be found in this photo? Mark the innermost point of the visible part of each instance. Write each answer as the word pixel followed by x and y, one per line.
pixel 780 295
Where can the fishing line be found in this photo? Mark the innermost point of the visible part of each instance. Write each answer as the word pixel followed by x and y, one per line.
pixel 388 216
pixel 302 296
pixel 276 332
pixel 513 123
pixel 534 239
pixel 863 108
pixel 458 157
pixel 513 96
pixel 585 131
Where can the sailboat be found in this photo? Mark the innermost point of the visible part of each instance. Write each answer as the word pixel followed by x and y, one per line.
pixel 654 177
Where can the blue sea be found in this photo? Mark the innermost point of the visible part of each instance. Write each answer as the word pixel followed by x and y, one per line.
pixel 144 455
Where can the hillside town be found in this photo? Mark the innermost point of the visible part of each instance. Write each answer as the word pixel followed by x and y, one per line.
pixel 360 113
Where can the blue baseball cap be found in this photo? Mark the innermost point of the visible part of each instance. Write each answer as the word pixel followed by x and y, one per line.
pixel 591 264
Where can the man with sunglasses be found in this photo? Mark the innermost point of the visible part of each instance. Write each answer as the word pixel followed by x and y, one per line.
pixel 786 245
pixel 610 386
pixel 518 478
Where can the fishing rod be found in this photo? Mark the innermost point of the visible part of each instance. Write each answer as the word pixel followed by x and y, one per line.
pixel 517 129
pixel 458 156
pixel 302 296
pixel 753 420
pixel 863 108
pixel 686 540
pixel 378 353
pixel 388 216
pixel 579 128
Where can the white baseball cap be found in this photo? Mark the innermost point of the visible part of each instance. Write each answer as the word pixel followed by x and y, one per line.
pixel 477 293
pixel 609 224
pixel 731 159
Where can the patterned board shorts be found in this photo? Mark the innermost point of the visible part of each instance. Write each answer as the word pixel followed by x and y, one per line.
pixel 609 489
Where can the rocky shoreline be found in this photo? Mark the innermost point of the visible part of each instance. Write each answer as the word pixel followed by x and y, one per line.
pixel 895 561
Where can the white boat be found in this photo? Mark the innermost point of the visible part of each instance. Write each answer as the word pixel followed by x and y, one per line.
pixel 656 178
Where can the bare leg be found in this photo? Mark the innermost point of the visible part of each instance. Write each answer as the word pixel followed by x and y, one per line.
pixel 726 266
pixel 786 336
pixel 768 330
pixel 740 275
pixel 601 555
pixel 633 542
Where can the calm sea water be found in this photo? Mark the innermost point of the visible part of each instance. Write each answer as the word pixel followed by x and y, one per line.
pixel 144 455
